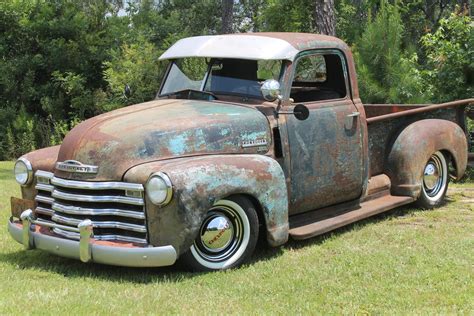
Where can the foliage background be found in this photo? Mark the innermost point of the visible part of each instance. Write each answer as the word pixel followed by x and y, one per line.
pixel 64 61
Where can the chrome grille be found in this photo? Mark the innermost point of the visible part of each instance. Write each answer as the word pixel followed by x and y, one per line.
pixel 116 209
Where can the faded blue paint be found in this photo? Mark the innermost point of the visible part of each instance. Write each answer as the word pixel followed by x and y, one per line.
pixel 177 145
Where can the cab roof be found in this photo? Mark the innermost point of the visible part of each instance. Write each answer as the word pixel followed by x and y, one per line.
pixel 254 46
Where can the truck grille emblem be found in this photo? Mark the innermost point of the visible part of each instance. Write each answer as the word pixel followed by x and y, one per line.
pixel 76 167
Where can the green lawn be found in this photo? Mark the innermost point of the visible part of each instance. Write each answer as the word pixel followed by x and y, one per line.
pixel 405 262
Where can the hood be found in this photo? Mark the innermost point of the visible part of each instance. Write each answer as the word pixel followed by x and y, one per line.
pixel 162 129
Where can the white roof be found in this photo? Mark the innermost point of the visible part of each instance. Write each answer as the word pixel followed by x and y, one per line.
pixel 252 47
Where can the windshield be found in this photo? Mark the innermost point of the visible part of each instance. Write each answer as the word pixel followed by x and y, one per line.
pixel 221 76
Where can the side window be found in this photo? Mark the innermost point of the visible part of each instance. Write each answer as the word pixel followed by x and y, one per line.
pixel 318 77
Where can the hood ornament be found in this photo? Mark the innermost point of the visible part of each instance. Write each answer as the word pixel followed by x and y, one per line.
pixel 76 167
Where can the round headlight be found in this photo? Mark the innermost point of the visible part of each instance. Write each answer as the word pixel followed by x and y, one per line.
pixel 159 189
pixel 23 171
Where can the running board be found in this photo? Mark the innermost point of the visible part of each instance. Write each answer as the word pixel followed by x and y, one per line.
pixel 301 229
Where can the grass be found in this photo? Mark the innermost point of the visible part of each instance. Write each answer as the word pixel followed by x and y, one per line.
pixel 407 261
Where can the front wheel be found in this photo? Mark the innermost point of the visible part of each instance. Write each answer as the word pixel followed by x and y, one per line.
pixel 227 236
pixel 435 181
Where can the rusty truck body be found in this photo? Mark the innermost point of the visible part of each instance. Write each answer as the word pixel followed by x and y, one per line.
pixel 250 135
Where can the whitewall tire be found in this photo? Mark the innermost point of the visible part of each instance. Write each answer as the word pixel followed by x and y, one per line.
pixel 226 238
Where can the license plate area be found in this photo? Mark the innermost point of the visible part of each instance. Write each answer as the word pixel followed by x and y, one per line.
pixel 20 205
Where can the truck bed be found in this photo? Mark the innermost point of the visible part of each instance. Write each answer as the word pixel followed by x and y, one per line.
pixel 385 121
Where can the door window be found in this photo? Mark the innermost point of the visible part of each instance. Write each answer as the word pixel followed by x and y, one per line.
pixel 318 77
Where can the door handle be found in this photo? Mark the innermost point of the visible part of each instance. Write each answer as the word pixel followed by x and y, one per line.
pixel 354 114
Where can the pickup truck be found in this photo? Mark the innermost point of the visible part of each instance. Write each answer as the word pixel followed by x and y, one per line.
pixel 251 137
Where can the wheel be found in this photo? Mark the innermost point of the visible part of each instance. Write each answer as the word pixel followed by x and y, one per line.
pixel 227 236
pixel 435 181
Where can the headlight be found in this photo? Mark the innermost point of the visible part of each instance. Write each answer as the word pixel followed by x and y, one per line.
pixel 23 171
pixel 159 189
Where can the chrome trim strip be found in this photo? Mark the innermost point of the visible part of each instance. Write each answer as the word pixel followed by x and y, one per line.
pixel 100 224
pixel 44 199
pixel 105 254
pixel 76 210
pixel 96 185
pixel 96 198
pixel 44 174
pixel 45 211
pixel 44 187
pixel 76 236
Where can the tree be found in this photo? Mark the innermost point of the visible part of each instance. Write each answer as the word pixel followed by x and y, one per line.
pixel 227 14
pixel 325 18
pixel 385 73
pixel 450 58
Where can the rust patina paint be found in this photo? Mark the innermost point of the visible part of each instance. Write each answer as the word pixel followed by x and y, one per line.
pixel 201 181
pixel 414 146
pixel 161 130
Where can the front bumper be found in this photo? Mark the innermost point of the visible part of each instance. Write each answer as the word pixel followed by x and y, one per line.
pixel 30 232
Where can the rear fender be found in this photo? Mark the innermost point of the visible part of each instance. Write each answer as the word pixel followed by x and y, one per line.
pixel 413 147
pixel 200 182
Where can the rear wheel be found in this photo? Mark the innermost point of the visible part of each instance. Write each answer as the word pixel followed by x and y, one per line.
pixel 435 181
pixel 227 236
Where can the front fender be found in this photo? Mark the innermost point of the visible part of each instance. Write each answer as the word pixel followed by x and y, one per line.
pixel 41 159
pixel 413 147
pixel 200 182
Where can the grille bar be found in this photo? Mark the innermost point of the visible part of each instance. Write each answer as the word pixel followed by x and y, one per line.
pixel 96 199
pixel 96 185
pixel 45 211
pixel 76 236
pixel 76 210
pixel 44 199
pixel 102 224
pixel 44 187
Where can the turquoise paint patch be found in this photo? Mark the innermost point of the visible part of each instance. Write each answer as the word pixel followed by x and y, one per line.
pixel 177 145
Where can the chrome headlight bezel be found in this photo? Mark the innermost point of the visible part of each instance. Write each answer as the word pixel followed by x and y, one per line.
pixel 168 188
pixel 29 171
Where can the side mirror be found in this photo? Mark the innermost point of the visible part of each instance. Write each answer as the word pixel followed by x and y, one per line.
pixel 270 89
pixel 301 112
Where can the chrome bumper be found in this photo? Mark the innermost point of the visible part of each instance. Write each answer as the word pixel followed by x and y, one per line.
pixel 85 249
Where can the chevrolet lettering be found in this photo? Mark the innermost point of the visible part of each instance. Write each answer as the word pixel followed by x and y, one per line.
pixel 76 166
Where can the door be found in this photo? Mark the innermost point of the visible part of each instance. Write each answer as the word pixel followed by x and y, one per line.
pixel 326 165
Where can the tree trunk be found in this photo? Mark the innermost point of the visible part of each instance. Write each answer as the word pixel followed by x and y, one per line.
pixel 227 16
pixel 324 17
pixel 466 5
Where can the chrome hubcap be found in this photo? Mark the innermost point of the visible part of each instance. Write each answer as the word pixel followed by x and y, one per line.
pixel 221 234
pixel 433 176
pixel 217 232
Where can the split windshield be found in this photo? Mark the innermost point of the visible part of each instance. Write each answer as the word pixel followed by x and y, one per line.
pixel 220 76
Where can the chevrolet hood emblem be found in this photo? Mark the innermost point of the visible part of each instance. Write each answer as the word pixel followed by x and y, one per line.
pixel 76 167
